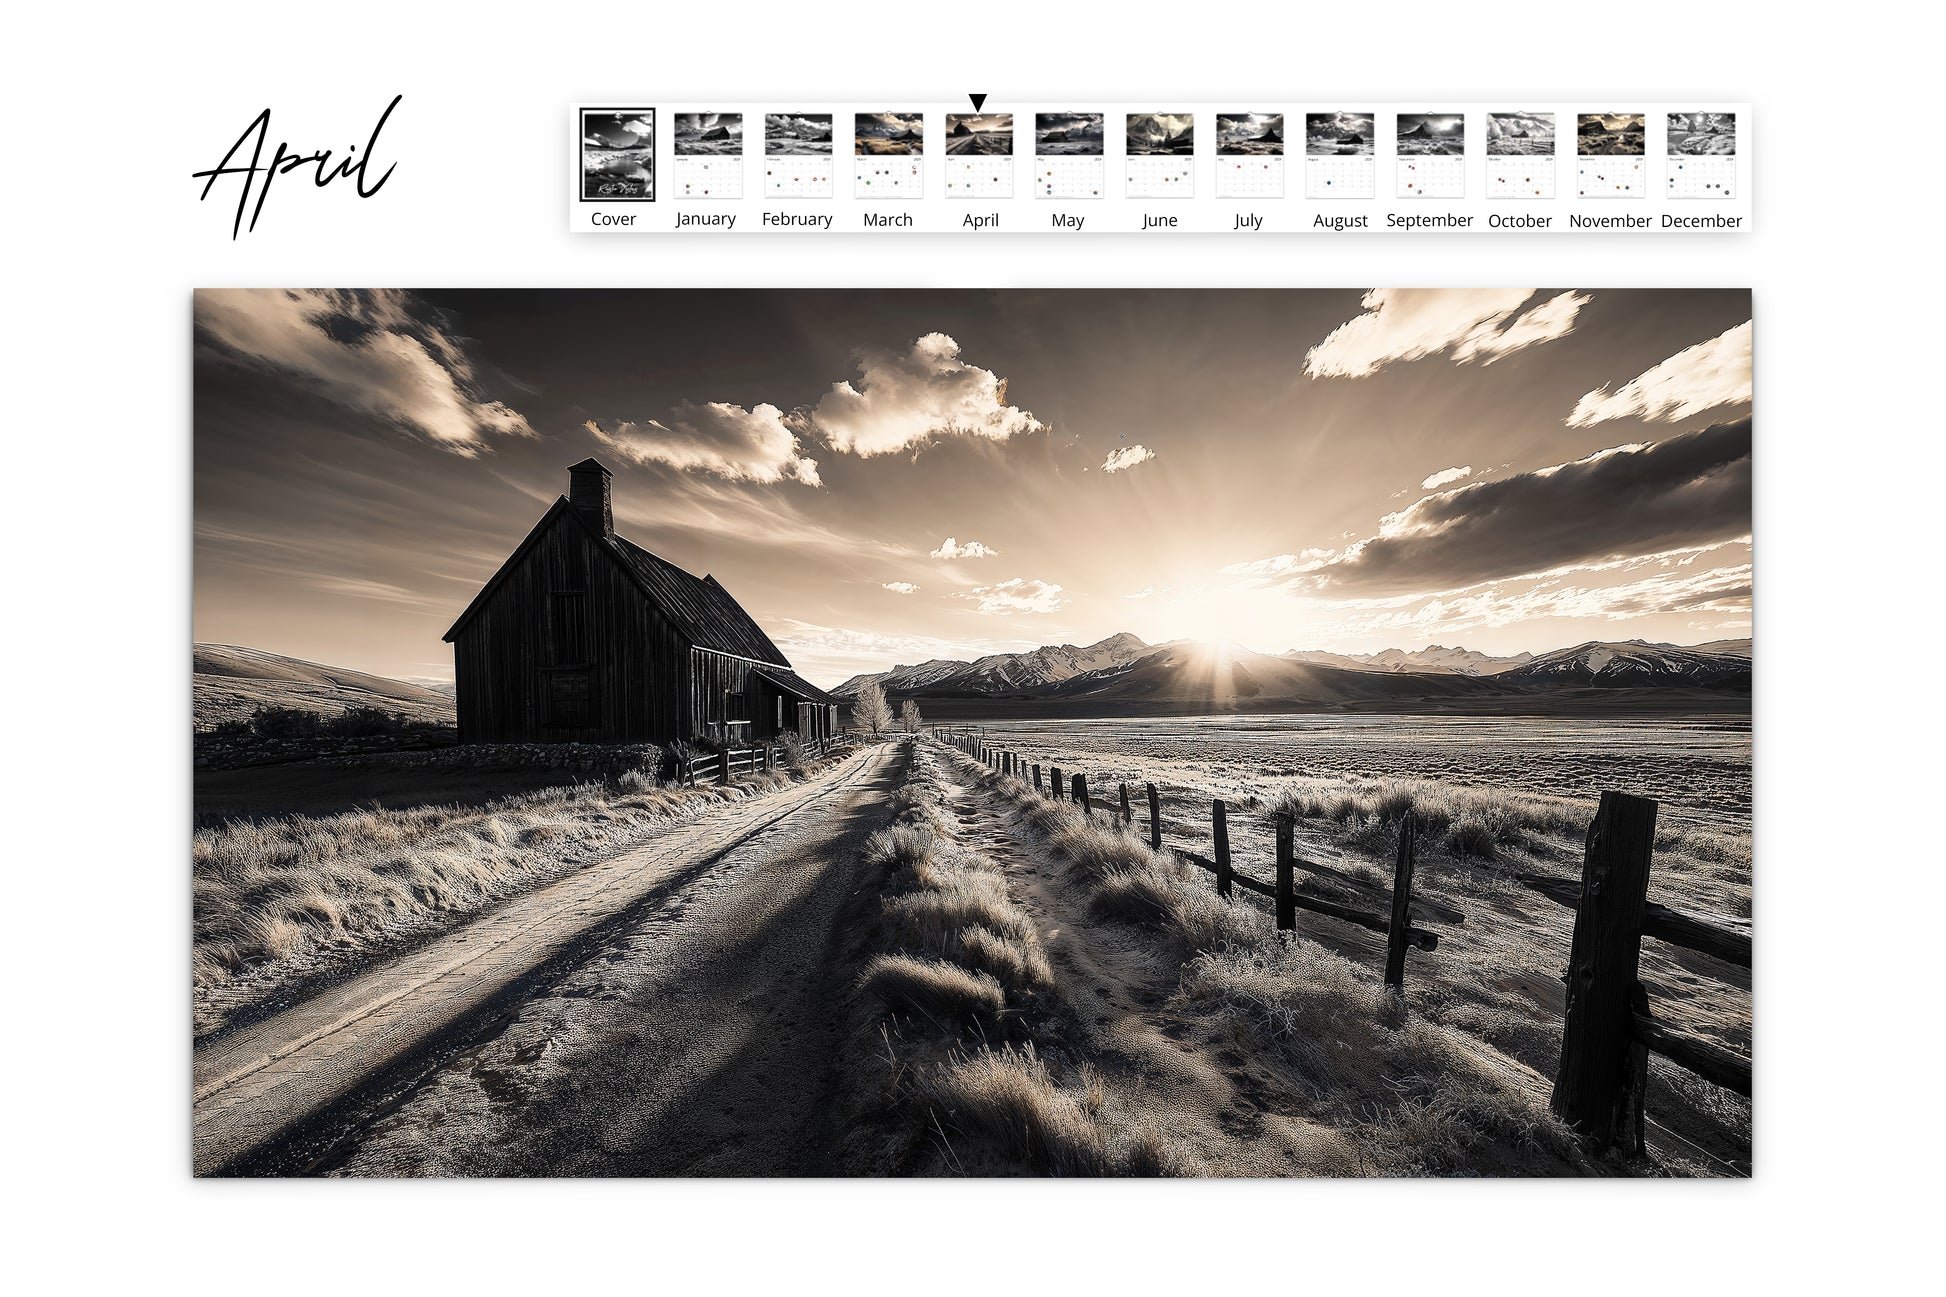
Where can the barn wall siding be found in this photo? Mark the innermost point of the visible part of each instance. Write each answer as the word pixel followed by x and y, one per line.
pixel 566 604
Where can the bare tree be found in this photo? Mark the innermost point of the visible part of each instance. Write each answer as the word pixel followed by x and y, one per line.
pixel 909 717
pixel 870 713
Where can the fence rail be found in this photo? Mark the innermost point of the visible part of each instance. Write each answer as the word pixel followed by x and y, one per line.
pixel 1610 1029
pixel 1397 927
pixel 722 767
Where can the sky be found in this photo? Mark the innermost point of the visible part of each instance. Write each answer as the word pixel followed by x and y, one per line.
pixel 887 476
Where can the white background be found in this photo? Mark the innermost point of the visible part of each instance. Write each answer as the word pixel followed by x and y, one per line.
pixel 108 111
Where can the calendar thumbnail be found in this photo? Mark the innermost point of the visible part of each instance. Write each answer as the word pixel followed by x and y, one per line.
pixel 1069 159
pixel 1161 155
pixel 979 155
pixel 1520 155
pixel 1610 149
pixel 1250 155
pixel 708 150
pixel 888 150
pixel 1432 155
pixel 1338 156
pixel 1069 135
pixel 1702 155
pixel 797 155
pixel 618 155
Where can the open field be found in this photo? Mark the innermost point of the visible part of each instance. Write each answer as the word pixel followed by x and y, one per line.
pixel 1493 985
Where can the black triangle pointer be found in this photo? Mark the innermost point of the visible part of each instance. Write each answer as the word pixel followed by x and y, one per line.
pixel 978 100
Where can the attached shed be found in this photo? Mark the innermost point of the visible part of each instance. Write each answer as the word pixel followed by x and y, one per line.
pixel 585 637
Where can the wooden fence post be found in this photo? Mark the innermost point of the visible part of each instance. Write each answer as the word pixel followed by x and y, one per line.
pixel 1128 816
pixel 1396 935
pixel 1155 820
pixel 1220 827
pixel 1055 786
pixel 1286 873
pixel 1081 794
pixel 1037 776
pixel 723 766
pixel 1591 1088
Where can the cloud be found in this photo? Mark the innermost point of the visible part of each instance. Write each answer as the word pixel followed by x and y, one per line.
pixel 1282 564
pixel 1629 500
pixel 1127 457
pixel 1019 595
pixel 904 400
pixel 1676 591
pixel 950 548
pixel 1695 379
pixel 727 440
pixel 1147 592
pixel 1473 323
pixel 1445 475
pixel 381 352
pixel 901 587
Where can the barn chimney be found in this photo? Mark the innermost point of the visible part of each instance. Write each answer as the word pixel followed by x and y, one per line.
pixel 588 493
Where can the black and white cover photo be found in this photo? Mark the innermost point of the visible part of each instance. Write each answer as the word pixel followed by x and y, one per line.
pixel 797 135
pixel 1214 733
pixel 618 154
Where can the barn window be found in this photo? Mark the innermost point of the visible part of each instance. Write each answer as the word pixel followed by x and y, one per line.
pixel 570 698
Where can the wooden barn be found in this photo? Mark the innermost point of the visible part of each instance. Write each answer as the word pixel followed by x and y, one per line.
pixel 584 637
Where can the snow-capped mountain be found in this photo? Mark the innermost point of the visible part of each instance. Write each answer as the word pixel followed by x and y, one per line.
pixel 1634 663
pixel 1436 658
pixel 999 673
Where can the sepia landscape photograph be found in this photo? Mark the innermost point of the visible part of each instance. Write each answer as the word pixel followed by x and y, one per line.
pixel 1330 135
pixel 962 733
pixel 1069 134
pixel 1164 134
pixel 1611 134
pixel 980 134
pixel 1249 134
pixel 888 134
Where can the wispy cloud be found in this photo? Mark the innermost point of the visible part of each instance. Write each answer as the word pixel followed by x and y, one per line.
pixel 1480 324
pixel 717 437
pixel 1126 457
pixel 380 351
pixel 1020 595
pixel 1695 379
pixel 905 399
pixel 901 587
pixel 1436 480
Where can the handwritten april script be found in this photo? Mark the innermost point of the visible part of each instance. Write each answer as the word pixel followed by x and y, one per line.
pixel 257 174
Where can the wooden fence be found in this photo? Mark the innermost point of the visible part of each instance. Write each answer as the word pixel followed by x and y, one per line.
pixel 1396 925
pixel 1610 1029
pixel 722 767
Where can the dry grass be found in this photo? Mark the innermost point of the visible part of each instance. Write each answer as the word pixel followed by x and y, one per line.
pixel 1008 1099
pixel 941 991
pixel 1477 822
pixel 1419 1097
pixel 269 890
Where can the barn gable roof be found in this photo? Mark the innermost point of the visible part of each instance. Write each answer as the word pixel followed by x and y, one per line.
pixel 700 608
pixel 794 684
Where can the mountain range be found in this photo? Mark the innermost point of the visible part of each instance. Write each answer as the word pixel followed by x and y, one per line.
pixel 1124 670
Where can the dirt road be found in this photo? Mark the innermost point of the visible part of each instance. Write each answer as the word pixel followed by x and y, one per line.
pixel 723 925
